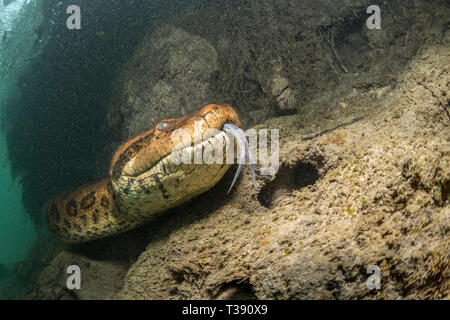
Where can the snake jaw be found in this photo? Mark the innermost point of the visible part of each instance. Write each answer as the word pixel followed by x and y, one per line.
pixel 147 149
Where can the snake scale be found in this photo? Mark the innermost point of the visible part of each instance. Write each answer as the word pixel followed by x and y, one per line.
pixel 143 180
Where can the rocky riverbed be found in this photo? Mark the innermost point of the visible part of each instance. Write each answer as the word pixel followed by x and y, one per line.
pixel 367 185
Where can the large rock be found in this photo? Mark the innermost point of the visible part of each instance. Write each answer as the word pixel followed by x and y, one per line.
pixel 167 77
pixel 99 279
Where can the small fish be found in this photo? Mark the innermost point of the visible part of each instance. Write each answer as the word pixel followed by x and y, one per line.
pixel 243 153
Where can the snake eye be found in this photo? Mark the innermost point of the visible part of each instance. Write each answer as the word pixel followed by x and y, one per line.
pixel 162 126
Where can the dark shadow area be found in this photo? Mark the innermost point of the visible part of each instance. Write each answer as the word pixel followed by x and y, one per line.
pixel 288 179
pixel 236 290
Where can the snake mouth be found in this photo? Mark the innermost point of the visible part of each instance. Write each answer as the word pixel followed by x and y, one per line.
pixel 177 177
pixel 188 170
pixel 146 150
pixel 187 150
pixel 217 150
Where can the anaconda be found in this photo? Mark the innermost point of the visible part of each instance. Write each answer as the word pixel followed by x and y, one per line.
pixel 143 180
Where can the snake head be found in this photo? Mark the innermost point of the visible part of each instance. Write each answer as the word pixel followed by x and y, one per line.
pixel 145 150
pixel 143 171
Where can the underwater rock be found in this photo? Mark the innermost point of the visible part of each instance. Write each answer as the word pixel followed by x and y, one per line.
pixel 167 77
pixel 281 91
pixel 283 94
pixel 99 279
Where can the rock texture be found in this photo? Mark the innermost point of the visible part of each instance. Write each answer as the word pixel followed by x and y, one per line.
pixel 367 185
pixel 99 280
pixel 322 48
pixel 284 95
pixel 267 58
pixel 167 77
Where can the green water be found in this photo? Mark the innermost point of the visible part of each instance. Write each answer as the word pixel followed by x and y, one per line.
pixel 16 229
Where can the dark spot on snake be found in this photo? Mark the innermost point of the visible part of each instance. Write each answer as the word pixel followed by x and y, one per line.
pixel 129 153
pixel 119 165
pixel 88 201
pixel 71 208
pixel 180 122
pixel 164 167
pixel 95 216
pixel 105 202
pixel 115 213
pixel 67 223
pixel 77 227
pixel 156 178
pixel 109 187
pixel 83 219
pixel 164 191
